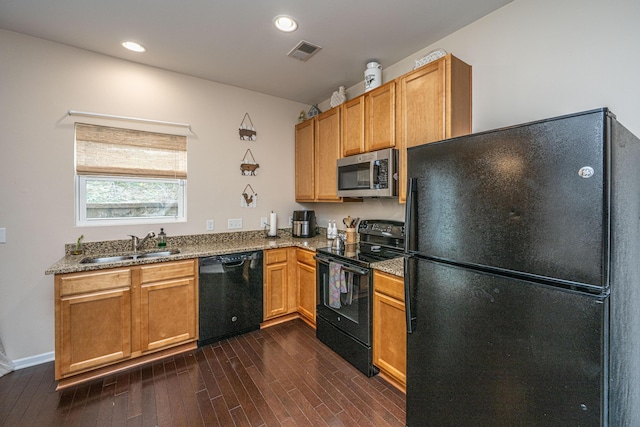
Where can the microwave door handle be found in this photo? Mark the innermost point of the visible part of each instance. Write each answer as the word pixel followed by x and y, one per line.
pixel 375 173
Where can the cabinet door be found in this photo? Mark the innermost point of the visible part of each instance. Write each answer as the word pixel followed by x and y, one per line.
pixel 167 313
pixel 92 330
pixel 422 106
pixel 327 152
pixel 381 115
pixel 305 178
pixel 353 132
pixel 389 327
pixel 434 104
pixel 307 291
pixel 275 290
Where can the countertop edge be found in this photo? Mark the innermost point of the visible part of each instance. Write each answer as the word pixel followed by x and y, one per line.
pixel 71 263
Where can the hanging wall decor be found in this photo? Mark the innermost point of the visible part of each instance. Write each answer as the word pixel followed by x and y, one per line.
pixel 247 131
pixel 249 164
pixel 249 197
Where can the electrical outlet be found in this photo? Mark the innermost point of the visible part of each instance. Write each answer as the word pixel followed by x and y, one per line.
pixel 234 223
pixel 211 225
pixel 263 222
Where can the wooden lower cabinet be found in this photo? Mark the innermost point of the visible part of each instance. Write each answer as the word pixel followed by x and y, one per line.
pixel 307 285
pixel 110 316
pixel 389 328
pixel 93 320
pixel 279 282
pixel 289 285
pixel 167 305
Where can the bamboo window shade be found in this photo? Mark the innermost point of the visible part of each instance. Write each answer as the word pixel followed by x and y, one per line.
pixel 102 150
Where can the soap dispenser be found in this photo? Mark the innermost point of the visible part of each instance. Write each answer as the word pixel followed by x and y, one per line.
pixel 162 239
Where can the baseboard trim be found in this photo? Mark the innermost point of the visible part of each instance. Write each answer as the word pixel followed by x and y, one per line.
pixel 27 362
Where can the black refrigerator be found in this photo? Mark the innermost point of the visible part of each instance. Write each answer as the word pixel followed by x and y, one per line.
pixel 522 276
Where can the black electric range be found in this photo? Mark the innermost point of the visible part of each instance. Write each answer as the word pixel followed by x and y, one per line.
pixel 345 290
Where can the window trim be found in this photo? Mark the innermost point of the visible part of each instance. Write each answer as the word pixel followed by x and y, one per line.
pixel 81 203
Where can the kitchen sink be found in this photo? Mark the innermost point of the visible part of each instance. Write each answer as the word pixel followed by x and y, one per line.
pixel 130 257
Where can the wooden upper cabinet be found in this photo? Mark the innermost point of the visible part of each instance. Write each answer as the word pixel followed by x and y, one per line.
pixel 353 133
pixel 327 152
pixel 317 151
pixel 305 161
pixel 380 117
pixel 425 105
pixel 368 121
pixel 434 103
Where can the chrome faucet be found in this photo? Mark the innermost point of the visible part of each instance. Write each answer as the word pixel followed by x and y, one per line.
pixel 136 243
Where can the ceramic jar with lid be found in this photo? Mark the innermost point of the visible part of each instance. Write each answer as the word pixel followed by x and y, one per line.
pixel 372 76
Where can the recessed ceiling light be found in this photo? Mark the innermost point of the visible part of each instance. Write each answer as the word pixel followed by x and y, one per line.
pixel 133 46
pixel 285 23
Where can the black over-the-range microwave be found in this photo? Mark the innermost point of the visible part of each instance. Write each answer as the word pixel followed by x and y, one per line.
pixel 373 174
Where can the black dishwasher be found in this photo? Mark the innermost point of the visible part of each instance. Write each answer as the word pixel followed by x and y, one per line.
pixel 230 299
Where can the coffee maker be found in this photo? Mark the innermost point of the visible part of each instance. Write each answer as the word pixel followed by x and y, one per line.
pixel 304 224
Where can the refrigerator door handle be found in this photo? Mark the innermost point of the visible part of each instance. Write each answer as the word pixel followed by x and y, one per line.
pixel 410 217
pixel 409 293
pixel 410 225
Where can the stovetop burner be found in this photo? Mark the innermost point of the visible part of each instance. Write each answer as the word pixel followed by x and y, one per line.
pixel 379 240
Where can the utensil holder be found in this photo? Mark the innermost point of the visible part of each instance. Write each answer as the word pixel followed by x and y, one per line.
pixel 351 235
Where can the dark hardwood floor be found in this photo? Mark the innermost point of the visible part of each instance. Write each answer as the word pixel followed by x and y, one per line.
pixel 278 376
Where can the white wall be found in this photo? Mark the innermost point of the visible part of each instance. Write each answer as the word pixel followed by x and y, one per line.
pixel 534 59
pixel 39 82
pixel 531 59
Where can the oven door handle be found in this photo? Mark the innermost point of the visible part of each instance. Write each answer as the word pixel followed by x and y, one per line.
pixel 346 267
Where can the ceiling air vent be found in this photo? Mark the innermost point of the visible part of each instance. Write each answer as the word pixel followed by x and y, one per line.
pixel 304 50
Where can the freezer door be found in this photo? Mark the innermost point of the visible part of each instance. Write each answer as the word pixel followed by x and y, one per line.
pixel 493 351
pixel 530 199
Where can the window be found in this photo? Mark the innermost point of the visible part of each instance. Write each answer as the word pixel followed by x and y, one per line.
pixel 127 176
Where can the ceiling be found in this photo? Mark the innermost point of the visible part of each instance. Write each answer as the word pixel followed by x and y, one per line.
pixel 234 41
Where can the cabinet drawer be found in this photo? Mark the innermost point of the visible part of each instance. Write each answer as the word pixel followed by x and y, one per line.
pixel 275 256
pixel 306 257
pixel 389 285
pixel 167 270
pixel 79 283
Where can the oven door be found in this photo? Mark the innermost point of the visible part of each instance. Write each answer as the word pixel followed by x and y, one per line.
pixel 344 297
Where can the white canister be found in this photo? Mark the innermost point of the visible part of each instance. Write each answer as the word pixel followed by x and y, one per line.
pixel 372 76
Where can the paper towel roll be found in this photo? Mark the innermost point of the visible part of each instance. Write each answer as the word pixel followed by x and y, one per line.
pixel 273 224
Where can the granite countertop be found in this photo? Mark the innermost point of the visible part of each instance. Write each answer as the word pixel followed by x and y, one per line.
pixel 195 246
pixel 393 266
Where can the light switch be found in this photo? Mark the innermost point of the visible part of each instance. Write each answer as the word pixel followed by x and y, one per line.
pixel 3 235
